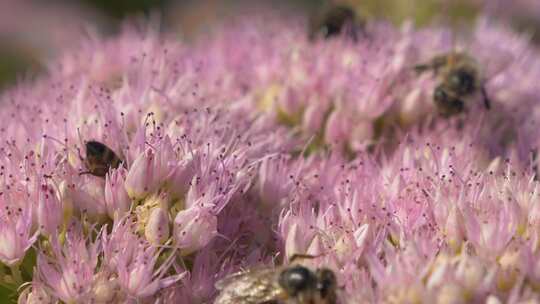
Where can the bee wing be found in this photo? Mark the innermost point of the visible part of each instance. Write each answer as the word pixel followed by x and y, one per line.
pixel 228 280
pixel 249 287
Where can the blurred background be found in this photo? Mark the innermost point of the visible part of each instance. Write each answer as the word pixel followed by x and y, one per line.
pixel 35 31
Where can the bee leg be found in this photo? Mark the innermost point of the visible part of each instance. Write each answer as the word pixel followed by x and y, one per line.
pixel 421 68
pixel 299 256
pixel 487 102
pixel 82 160
pixel 79 154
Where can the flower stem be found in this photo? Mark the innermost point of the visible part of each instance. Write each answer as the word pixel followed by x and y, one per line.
pixel 16 275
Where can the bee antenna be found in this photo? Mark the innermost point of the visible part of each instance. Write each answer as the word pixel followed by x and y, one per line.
pixel 63 144
pixel 300 256
pixel 81 141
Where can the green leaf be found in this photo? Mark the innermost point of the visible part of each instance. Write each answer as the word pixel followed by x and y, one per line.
pixel 28 264
pixel 7 295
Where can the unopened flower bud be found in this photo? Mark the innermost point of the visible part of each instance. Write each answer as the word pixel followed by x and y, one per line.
pixel 140 180
pixel 104 289
pixel 181 176
pixel 157 227
pixel 144 210
pixel 451 293
pixel 194 228
pixel 149 170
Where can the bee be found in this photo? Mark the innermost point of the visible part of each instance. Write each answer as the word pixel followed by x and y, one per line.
pixel 459 79
pixel 99 159
pixel 286 285
pixel 333 20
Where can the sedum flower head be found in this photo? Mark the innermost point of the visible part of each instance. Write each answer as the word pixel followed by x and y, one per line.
pixel 255 144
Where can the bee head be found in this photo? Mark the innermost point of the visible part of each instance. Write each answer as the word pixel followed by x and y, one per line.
pixel 447 103
pixel 334 20
pixel 337 18
pixel 95 148
pixel 297 279
pixel 326 282
pixel 99 159
pixel 462 81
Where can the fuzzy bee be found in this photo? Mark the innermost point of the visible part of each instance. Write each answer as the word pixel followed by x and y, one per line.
pixel 99 159
pixel 459 79
pixel 287 285
pixel 333 20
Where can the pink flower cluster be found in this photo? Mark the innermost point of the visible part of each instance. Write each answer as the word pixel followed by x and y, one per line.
pixel 256 144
